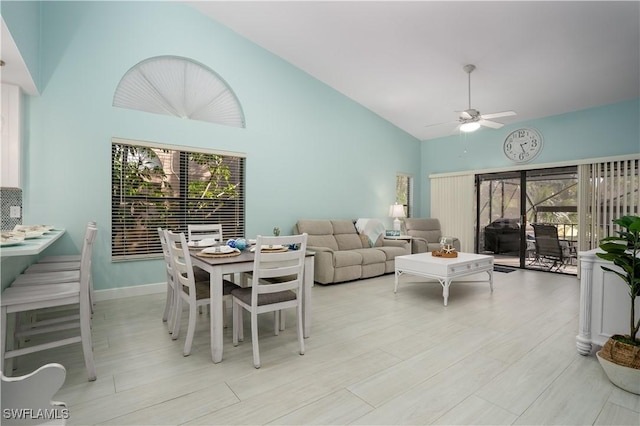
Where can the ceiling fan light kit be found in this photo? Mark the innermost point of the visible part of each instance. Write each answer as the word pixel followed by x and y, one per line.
pixel 470 126
pixel 471 119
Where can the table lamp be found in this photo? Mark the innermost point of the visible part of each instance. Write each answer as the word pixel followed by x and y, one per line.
pixel 396 211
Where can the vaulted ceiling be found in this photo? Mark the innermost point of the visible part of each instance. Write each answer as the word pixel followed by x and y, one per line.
pixel 404 60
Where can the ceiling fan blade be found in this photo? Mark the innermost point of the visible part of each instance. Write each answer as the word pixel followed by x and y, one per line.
pixel 446 123
pixel 491 124
pixel 498 114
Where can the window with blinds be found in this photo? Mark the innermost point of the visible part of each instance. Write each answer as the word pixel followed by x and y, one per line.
pixel 170 187
pixel 608 190
pixel 404 192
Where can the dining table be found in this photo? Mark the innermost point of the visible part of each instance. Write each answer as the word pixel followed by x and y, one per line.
pixel 217 267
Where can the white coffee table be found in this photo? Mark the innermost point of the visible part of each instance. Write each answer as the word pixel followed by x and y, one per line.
pixel 445 270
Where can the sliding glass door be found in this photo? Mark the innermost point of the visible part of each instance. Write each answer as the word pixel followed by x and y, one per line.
pixel 499 215
pixel 513 206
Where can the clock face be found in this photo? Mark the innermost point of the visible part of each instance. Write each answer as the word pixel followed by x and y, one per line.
pixel 522 145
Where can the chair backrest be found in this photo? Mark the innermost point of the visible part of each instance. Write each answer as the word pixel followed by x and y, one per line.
pixel 279 268
pixel 547 242
pixel 427 228
pixel 33 392
pixel 86 260
pixel 166 254
pixel 201 232
pixel 181 265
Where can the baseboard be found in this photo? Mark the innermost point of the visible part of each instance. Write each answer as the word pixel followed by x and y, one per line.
pixel 138 290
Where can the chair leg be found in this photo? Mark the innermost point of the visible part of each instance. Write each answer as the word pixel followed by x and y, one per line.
pixel 276 322
pixel 234 318
pixel 282 317
pixel 171 320
pixel 167 305
pixel 254 339
pixel 300 329
pixel 87 343
pixel 241 323
pixel 177 316
pixel 191 329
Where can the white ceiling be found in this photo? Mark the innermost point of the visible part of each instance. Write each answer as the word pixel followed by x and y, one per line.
pixel 14 71
pixel 403 60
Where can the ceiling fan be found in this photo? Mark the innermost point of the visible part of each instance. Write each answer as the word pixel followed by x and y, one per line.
pixel 470 119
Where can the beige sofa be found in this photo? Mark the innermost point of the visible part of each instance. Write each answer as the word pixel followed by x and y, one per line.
pixel 341 254
pixel 426 234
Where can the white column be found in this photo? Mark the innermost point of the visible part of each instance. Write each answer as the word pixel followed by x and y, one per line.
pixel 583 339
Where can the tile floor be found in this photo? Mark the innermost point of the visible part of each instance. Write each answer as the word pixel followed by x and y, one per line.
pixel 374 357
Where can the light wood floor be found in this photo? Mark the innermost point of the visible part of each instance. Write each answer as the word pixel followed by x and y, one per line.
pixel 506 357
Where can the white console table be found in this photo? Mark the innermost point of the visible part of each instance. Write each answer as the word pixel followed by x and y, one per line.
pixel 604 303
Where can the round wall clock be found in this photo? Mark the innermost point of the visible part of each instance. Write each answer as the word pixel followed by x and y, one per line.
pixel 522 145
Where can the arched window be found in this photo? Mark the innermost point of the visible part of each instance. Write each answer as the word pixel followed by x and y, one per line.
pixel 181 87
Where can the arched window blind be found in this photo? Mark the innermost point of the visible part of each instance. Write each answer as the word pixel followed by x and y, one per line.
pixel 180 87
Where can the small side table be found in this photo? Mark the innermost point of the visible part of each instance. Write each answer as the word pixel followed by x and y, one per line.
pixel 406 238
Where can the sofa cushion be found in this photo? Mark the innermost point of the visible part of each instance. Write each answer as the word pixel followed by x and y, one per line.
pixel 320 233
pixel 391 252
pixel 346 235
pixel 370 256
pixel 342 258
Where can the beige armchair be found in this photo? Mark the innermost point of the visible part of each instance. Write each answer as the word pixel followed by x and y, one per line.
pixel 426 233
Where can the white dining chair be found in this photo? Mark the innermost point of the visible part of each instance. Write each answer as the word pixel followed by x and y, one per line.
pixel 199 232
pixel 52 273
pixel 67 257
pixel 32 393
pixel 168 315
pixel 193 293
pixel 276 284
pixel 22 299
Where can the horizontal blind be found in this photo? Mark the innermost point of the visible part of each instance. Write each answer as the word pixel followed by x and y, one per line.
pixel 452 204
pixel 170 188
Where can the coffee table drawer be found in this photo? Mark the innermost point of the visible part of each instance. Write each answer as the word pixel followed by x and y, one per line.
pixel 463 268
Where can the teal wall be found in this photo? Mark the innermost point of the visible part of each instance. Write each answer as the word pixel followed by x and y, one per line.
pixel 311 152
pixel 592 133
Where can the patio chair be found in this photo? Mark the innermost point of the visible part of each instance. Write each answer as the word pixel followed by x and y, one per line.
pixel 550 252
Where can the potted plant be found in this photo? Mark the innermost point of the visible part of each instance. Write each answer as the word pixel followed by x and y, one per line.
pixel 620 356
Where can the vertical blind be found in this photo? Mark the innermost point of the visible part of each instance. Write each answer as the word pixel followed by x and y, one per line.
pixel 155 186
pixel 452 203
pixel 608 190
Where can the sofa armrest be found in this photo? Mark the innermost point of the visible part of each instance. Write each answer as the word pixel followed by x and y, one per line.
pixel 395 243
pixel 323 266
pixel 419 245
pixel 456 244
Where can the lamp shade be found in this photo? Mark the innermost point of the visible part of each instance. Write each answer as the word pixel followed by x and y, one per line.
pixel 396 210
